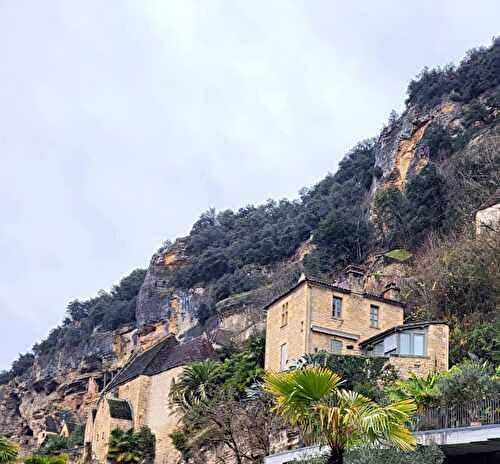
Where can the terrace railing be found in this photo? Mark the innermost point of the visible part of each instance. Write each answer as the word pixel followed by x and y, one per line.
pixel 472 413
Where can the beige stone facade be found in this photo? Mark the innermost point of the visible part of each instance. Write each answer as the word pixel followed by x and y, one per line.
pixel 104 423
pixel 319 316
pixel 139 396
pixel 436 359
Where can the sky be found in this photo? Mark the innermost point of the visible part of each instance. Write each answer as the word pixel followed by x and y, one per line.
pixel 122 121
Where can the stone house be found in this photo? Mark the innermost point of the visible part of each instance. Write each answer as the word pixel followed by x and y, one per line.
pixel 487 216
pixel 344 319
pixel 139 396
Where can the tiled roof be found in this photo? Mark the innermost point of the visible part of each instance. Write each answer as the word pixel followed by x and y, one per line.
pixel 163 356
pixel 337 286
pixel 119 409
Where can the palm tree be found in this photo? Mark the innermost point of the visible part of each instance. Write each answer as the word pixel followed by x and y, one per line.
pixel 311 399
pixel 123 447
pixel 8 451
pixel 196 383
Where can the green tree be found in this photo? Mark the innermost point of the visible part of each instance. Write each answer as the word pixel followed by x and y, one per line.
pixel 479 339
pixel 468 381
pixel 8 451
pixel 196 383
pixel 390 216
pixel 427 203
pixel 312 400
pixel 362 374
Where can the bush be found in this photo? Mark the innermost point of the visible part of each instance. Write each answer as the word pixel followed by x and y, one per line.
pixel 457 279
pixel 422 455
pixel 471 380
pixel 362 374
pixel 40 459
pixel 53 444
pixel 478 339
pixel 5 377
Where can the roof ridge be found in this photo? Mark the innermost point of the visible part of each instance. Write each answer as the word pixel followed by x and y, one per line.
pixel 163 340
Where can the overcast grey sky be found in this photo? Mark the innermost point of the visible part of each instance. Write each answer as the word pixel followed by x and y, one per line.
pixel 121 121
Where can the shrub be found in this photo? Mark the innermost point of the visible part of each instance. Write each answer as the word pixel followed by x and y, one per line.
pixel 53 444
pixel 41 459
pixel 479 339
pixel 362 374
pixel 468 381
pixel 422 455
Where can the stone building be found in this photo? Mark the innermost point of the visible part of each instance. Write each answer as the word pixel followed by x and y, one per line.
pixel 487 216
pixel 139 396
pixel 344 319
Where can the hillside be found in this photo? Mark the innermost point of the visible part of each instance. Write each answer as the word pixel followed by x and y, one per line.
pixel 414 188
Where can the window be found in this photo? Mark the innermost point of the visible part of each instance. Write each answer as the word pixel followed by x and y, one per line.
pixel 418 344
pixel 336 346
pixel 412 343
pixel 404 343
pixel 373 316
pixel 284 314
pixel 378 349
pixel 283 356
pixel 337 308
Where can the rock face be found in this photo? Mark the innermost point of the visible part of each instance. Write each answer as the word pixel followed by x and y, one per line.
pixel 401 152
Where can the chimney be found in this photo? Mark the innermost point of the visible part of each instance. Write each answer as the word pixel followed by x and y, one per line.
pixel 391 291
pixel 355 277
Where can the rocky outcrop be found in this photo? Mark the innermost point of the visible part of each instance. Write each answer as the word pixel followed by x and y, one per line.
pixel 401 151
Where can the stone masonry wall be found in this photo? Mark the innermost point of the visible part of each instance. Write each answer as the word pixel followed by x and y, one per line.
pixel 137 392
pixel 161 418
pixel 355 318
pixel 293 333
pixel 103 426
pixel 437 354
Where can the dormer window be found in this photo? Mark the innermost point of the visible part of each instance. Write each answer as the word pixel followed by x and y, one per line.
pixel 337 308
pixel 284 314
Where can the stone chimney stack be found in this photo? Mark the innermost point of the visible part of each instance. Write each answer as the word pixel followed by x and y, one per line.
pixel 355 277
pixel 392 292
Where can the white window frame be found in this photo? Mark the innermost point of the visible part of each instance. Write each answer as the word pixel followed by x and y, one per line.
pixel 337 310
pixel 374 322
pixel 412 334
pixel 283 356
pixel 334 341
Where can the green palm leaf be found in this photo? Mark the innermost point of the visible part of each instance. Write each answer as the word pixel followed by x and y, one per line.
pixel 8 451
pixel 311 399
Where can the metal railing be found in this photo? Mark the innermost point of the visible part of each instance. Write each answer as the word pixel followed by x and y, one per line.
pixel 473 413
